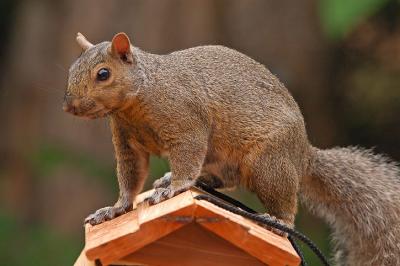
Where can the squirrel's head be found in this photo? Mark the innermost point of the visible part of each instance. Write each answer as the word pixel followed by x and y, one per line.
pixel 101 78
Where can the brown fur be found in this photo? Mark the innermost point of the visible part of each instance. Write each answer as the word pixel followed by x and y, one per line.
pixel 220 116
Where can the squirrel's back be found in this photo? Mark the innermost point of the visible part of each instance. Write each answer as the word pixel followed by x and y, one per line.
pixel 240 95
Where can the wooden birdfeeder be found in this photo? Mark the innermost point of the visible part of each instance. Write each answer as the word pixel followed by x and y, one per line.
pixel 183 231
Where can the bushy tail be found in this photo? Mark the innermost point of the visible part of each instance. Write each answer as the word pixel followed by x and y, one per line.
pixel 358 194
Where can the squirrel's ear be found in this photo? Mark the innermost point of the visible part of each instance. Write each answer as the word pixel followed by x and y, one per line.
pixel 121 47
pixel 83 43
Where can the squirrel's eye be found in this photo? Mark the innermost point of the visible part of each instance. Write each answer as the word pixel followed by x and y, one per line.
pixel 103 74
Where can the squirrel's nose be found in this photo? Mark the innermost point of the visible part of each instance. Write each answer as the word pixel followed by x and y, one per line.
pixel 68 104
pixel 66 107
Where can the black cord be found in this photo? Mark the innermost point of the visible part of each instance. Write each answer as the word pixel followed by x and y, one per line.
pixel 203 186
pixel 298 250
pixel 241 209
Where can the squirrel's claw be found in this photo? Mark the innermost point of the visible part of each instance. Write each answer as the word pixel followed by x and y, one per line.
pixel 273 229
pixel 105 214
pixel 166 189
pixel 160 194
pixel 163 193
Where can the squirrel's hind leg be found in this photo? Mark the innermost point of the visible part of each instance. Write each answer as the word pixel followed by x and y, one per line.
pixel 275 182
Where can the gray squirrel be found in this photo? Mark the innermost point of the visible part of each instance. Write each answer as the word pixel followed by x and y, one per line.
pixel 220 117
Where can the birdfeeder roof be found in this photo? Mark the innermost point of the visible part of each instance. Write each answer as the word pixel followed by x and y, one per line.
pixel 183 231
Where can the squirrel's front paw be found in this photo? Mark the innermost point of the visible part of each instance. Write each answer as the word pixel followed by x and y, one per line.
pixel 105 214
pixel 163 182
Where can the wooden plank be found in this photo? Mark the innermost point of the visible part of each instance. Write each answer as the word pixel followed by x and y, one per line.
pixel 257 241
pixel 123 235
pixel 191 245
pixel 147 214
pixel 83 260
pixel 142 196
pixel 111 230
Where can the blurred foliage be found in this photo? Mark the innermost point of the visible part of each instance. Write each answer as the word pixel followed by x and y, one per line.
pixel 50 156
pixel 317 231
pixel 34 244
pixel 369 82
pixel 340 16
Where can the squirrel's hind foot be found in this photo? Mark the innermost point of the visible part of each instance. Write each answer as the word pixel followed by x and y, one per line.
pixel 160 194
pixel 163 193
pixel 273 229
pixel 163 182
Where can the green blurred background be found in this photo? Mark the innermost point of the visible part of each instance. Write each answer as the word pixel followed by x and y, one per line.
pixel 339 58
